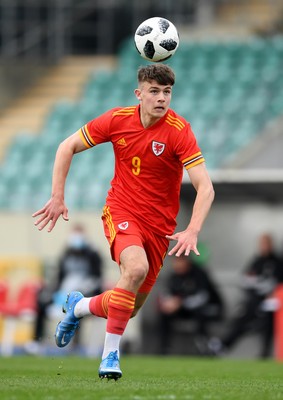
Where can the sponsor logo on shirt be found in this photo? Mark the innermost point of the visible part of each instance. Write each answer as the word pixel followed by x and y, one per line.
pixel 122 142
pixel 157 147
pixel 123 225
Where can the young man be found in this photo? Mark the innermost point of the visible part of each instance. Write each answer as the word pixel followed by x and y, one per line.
pixel 259 280
pixel 190 295
pixel 152 144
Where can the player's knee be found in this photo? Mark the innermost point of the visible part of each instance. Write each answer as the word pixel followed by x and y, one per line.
pixel 138 273
pixel 135 274
pixel 134 267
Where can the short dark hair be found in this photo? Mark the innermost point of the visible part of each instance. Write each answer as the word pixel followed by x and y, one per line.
pixel 160 73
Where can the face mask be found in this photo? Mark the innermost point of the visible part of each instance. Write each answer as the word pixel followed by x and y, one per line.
pixel 77 241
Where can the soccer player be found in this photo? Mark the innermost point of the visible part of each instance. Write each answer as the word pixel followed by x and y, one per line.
pixel 152 144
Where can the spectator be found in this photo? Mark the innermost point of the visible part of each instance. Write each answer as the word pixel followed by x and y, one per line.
pixel 256 310
pixel 79 268
pixel 191 295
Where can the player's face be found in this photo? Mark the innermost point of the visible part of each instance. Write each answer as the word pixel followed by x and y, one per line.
pixel 154 99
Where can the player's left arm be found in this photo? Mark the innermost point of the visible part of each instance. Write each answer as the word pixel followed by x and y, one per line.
pixel 187 239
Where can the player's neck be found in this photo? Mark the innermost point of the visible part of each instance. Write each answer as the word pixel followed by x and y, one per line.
pixel 148 120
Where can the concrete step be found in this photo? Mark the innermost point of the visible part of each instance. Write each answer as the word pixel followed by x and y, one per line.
pixel 64 81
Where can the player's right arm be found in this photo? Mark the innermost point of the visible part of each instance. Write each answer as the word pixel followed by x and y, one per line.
pixel 55 207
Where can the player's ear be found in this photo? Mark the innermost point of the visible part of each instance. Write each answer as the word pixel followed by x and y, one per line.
pixel 138 94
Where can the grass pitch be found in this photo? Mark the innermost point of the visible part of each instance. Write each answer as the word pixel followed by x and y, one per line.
pixel 144 378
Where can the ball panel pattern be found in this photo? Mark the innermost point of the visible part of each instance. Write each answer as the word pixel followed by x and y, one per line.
pixel 156 39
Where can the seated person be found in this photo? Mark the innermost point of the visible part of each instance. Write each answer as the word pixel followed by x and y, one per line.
pixel 190 295
pixel 255 310
pixel 80 268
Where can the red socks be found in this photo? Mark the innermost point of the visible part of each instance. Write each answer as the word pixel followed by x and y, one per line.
pixel 120 308
pixel 99 304
pixel 117 306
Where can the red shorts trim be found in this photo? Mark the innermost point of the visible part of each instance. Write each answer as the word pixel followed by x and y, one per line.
pixel 123 231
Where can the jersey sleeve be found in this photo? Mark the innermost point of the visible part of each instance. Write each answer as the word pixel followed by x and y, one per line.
pixel 97 130
pixel 188 150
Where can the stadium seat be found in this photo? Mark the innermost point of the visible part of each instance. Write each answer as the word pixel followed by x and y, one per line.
pixel 23 307
pixel 233 89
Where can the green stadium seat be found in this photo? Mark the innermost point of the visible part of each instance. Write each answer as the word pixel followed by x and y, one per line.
pixel 233 89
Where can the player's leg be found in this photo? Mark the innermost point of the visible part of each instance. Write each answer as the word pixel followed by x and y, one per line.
pixel 127 250
pixel 116 305
pixel 98 305
pixel 126 243
pixel 133 269
pixel 121 306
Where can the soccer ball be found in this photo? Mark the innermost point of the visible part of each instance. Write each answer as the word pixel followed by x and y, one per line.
pixel 156 39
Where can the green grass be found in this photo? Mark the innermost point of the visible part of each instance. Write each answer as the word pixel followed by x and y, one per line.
pixel 144 378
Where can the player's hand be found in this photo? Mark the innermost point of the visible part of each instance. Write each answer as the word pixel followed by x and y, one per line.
pixel 50 213
pixel 186 242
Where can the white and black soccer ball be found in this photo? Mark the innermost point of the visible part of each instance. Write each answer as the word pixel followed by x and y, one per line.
pixel 156 39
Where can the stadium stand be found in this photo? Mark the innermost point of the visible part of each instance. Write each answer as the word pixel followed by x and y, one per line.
pixel 62 81
pixel 233 90
pixel 259 12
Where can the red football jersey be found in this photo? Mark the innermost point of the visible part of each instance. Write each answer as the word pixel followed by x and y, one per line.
pixel 148 163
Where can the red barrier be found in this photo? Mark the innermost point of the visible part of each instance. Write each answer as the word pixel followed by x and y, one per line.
pixel 278 324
